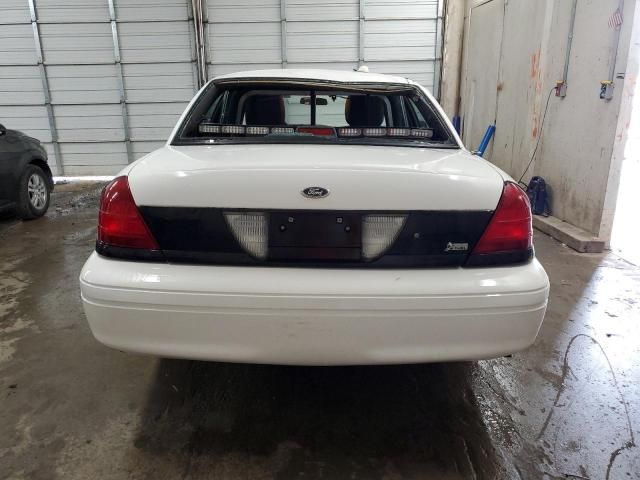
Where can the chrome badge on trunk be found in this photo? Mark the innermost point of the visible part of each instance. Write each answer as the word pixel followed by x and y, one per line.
pixel 315 192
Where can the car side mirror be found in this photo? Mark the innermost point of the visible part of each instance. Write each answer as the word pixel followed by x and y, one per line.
pixel 3 129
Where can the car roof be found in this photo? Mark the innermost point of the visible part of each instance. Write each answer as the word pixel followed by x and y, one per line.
pixel 345 76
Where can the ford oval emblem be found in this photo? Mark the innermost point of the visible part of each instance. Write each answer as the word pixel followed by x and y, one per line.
pixel 315 192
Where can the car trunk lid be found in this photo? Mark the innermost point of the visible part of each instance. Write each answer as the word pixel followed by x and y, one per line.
pixel 357 178
pixel 379 206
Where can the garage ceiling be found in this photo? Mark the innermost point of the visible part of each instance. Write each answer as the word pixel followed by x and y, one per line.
pixel 113 76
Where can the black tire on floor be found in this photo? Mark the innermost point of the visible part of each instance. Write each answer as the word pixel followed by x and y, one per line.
pixel 35 193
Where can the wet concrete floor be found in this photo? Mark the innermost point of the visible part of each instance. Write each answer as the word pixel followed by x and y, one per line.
pixel 569 407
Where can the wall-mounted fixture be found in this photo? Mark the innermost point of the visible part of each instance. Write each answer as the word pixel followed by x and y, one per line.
pixel 606 89
pixel 561 88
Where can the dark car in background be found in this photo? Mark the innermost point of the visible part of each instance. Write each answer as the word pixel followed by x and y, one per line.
pixel 26 181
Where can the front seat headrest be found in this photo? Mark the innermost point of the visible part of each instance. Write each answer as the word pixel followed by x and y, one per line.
pixel 265 110
pixel 364 111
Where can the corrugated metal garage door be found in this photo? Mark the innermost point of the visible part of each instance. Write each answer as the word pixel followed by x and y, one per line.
pixel 389 36
pixel 90 62
pixel 103 82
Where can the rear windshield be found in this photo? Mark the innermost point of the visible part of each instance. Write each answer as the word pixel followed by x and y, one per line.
pixel 281 113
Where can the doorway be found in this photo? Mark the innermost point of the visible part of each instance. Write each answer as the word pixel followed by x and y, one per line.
pixel 625 237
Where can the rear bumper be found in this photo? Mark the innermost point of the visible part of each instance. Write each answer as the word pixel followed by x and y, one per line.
pixel 313 316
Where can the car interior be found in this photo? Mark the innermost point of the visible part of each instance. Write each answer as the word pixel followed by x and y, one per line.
pixel 298 112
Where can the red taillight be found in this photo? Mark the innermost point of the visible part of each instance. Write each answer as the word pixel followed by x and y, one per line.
pixel 510 227
pixel 119 222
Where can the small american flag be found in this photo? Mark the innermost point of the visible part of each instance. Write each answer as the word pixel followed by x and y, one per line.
pixel 615 20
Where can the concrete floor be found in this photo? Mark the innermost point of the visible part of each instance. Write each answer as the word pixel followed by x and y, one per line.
pixel 569 407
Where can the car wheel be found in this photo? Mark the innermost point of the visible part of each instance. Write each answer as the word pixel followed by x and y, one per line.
pixel 35 192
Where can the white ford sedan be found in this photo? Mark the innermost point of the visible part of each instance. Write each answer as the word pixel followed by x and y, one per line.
pixel 314 218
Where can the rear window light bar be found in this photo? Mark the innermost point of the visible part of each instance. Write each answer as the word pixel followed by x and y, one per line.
pixel 374 132
pixel 233 129
pixel 208 128
pixel 385 132
pixel 257 130
pixel 351 132
pixel 243 130
pixel 282 130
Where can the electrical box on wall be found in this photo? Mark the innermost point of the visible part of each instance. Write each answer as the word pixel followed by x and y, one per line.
pixel 606 89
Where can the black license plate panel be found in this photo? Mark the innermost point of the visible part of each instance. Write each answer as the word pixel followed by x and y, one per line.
pixel 315 235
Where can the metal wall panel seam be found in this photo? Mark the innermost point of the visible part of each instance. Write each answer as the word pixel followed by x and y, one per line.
pixel 207 33
pixel 437 52
pixel 45 87
pixel 314 61
pixel 92 22
pixel 200 42
pixel 120 76
pixel 361 33
pixel 386 19
pixel 192 45
pixel 73 64
pixel 283 33
pixel 202 47
pixel 315 20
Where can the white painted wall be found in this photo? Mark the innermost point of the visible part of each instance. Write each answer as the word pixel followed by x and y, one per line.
pixel 577 143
